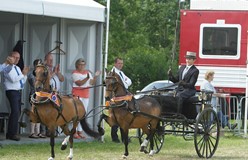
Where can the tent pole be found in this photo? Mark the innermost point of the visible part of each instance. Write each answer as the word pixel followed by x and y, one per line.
pixel 106 52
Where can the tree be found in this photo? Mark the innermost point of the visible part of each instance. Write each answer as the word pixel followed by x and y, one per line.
pixel 142 32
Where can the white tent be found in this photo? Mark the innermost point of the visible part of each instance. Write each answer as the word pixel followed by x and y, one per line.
pixel 78 24
pixel 72 9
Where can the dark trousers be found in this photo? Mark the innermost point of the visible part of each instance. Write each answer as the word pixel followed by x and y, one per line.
pixel 183 95
pixel 114 130
pixel 14 98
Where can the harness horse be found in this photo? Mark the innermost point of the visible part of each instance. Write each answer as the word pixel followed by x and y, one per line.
pixel 127 112
pixel 54 110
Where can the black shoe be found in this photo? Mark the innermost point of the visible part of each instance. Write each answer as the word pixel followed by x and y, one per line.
pixel 116 140
pixel 14 137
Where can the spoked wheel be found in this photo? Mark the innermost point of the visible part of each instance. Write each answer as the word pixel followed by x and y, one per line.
pixel 207 131
pixel 158 140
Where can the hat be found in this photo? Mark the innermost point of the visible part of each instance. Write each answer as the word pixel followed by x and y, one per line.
pixel 190 55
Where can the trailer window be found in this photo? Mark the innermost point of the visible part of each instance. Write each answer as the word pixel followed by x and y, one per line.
pixel 219 42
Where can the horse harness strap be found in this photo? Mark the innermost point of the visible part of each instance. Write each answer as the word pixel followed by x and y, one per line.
pixel 125 98
pixel 75 106
pixel 125 103
pixel 56 101
pixel 122 98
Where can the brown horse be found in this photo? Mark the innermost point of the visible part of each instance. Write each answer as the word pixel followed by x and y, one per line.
pixel 53 110
pixel 127 112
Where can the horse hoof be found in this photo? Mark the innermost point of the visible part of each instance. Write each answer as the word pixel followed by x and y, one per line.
pixel 152 152
pixel 69 158
pixel 143 149
pixel 51 158
pixel 63 147
pixel 124 157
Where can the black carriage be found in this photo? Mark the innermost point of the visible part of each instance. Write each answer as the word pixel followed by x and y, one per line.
pixel 197 121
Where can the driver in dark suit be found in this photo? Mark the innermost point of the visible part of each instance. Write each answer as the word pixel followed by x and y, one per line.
pixel 186 77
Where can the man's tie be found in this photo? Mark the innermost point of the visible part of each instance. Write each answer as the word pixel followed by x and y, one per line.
pixel 121 75
pixel 21 83
pixel 185 71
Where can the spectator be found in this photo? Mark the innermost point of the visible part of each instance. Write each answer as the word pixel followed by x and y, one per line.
pixel 56 76
pixel 187 76
pixel 31 81
pixel 7 65
pixel 82 79
pixel 207 85
pixel 14 83
pixel 127 82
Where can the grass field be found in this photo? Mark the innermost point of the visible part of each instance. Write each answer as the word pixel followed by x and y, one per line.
pixel 175 147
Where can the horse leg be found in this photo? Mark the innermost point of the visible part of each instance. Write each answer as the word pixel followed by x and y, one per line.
pixel 52 144
pixel 144 145
pixel 100 129
pixel 33 118
pixel 66 140
pixel 73 130
pixel 71 147
pixel 125 138
pixel 64 143
pixel 152 152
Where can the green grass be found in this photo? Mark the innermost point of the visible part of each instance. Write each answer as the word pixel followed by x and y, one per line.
pixel 175 147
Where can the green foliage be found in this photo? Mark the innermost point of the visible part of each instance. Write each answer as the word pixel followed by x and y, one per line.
pixel 145 65
pixel 142 32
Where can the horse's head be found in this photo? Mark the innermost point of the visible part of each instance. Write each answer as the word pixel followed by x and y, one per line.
pixel 42 81
pixel 114 85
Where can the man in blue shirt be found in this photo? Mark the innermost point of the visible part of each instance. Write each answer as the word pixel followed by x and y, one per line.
pixel 14 81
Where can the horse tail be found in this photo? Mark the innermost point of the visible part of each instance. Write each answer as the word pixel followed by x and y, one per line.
pixel 87 129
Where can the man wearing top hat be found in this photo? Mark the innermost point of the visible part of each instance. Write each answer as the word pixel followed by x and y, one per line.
pixel 186 77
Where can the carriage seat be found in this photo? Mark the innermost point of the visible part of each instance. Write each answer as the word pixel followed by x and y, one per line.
pixel 169 105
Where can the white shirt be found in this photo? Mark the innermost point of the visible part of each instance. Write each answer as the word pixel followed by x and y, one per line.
pixel 78 76
pixel 55 83
pixel 126 81
pixel 12 79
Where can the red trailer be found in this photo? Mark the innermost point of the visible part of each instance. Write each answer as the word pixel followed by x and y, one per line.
pixel 217 31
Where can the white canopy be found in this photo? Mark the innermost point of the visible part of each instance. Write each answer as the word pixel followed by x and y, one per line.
pixel 72 9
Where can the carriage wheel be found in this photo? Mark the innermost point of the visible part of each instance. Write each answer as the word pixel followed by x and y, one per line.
pixel 207 131
pixel 158 140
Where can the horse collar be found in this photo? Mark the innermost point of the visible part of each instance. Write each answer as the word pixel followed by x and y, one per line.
pixel 51 96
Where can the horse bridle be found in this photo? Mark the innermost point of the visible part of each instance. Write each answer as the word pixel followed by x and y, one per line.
pixel 45 74
pixel 113 84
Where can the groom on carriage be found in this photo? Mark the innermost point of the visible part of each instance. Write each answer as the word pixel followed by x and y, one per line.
pixel 186 77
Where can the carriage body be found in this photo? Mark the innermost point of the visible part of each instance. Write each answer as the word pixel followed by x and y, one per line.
pixel 197 121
